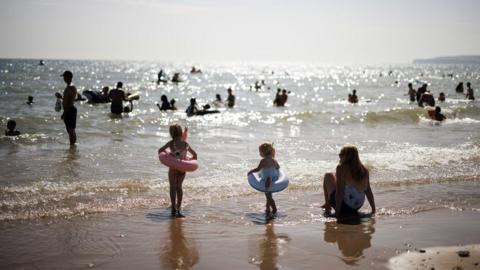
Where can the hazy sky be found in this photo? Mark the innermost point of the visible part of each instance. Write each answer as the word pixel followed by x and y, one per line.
pixel 332 32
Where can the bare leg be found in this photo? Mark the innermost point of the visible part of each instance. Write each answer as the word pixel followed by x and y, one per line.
pixel 72 136
pixel 268 182
pixel 329 185
pixel 272 204
pixel 267 205
pixel 180 178
pixel 173 189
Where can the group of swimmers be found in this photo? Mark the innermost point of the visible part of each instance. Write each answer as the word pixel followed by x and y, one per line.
pixel 162 77
pixel 117 96
pixel 469 95
pixel 344 191
pixel 193 109
pixel 281 97
pixel 424 97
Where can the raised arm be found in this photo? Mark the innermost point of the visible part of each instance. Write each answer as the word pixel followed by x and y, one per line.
pixel 370 198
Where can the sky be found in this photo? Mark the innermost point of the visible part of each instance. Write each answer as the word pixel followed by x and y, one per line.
pixel 303 31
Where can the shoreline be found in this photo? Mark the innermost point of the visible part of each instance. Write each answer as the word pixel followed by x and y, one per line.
pixel 236 238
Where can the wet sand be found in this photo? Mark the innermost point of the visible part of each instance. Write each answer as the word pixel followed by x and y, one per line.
pixel 150 239
pixel 464 257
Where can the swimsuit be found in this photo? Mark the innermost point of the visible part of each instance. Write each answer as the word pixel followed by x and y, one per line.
pixel 116 108
pixel 178 154
pixel 352 199
pixel 70 118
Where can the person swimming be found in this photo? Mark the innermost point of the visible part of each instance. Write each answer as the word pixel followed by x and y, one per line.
pixel 421 90
pixel 161 77
pixel 29 100
pixel 469 92
pixel 257 86
pixel 441 97
pixel 281 99
pixel 427 98
pixel 176 77
pixel 218 102
pixel 194 70
pixel 192 108
pixel 230 98
pixel 352 98
pixel 411 92
pixel 459 88
pixel 438 114
pixel 277 96
pixel 11 131
pixel 117 96
pixel 165 104
pixel 172 105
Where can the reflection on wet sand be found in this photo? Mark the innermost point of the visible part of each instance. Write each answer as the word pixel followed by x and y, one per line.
pixel 352 239
pixel 271 247
pixel 178 252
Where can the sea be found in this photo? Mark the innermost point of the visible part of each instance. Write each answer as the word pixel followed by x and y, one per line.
pixel 416 164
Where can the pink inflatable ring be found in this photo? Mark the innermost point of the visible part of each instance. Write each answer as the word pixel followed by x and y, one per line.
pixel 183 165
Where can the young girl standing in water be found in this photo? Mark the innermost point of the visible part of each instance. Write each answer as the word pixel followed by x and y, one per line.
pixel 269 172
pixel 179 148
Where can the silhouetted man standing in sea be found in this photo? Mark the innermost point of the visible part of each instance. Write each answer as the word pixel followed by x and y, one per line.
pixel 69 115
pixel 117 96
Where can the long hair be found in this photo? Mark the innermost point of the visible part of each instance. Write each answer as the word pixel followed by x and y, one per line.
pixel 352 160
pixel 176 131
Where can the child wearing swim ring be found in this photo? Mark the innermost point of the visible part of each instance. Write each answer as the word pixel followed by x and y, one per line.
pixel 345 191
pixel 178 147
pixel 269 170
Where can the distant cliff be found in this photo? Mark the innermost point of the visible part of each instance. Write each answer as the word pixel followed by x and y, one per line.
pixel 462 59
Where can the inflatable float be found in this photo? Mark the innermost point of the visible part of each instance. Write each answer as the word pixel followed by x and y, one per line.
pixel 257 182
pixel 94 96
pixel 184 165
pixel 134 96
pixel 168 159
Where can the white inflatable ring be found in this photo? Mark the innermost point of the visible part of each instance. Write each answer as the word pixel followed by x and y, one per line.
pixel 259 184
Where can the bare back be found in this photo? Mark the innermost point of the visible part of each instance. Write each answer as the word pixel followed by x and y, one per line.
pixel 269 162
pixel 69 95
pixel 346 176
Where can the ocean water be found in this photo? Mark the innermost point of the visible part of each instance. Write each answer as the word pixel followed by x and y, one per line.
pixel 416 164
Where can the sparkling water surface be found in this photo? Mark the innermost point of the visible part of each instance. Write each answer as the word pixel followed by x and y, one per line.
pixel 115 165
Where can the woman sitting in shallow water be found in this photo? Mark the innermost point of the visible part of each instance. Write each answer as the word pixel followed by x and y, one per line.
pixel 346 190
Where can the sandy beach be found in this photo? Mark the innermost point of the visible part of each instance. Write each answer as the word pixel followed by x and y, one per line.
pixel 104 204
pixel 237 238
pixel 160 134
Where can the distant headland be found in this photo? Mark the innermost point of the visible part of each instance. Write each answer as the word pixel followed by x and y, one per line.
pixel 461 59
